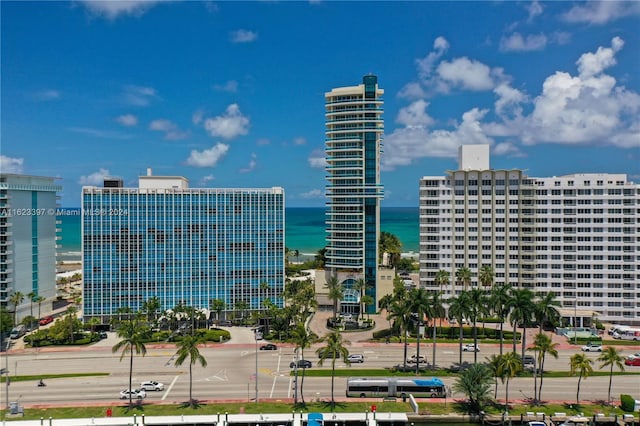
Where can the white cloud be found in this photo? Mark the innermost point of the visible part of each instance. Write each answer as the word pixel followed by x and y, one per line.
pixel 426 64
pixel 243 36
pixel 197 116
pixel 314 193
pixel 46 95
pixel 509 149
pixel 466 73
pixel 534 8
pixel 509 100
pixel 169 128
pixel 97 133
pixel 601 12
pixel 263 141
pixel 230 86
pixel 11 165
pixel 252 164
pixel 94 179
pixel 517 43
pixel 206 179
pixel 112 9
pixel 591 64
pixel 317 159
pixel 127 120
pixel 139 95
pixel 229 125
pixel 208 157
pixel 299 141
pixel 412 90
pixel 415 115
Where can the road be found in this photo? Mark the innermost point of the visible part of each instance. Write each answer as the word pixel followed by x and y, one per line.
pixel 231 373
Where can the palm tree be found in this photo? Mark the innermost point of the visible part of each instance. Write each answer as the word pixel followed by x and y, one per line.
pixel 332 350
pixel 546 309
pixel 188 348
pixel 360 286
pixel 500 304
pixel 400 313
pixel 493 362
pixel 582 364
pixel 542 345
pixel 218 306
pixel 610 357
pixel 510 365
pixel 521 312
pixel 475 382
pixel 336 293
pixel 485 275
pixel 436 310
pixel 39 299
pixel 302 338
pixel 459 308
pixel 442 278
pixel 420 304
pixel 132 334
pixel 16 299
pixel 151 308
pixel 31 295
pixel 463 276
pixel 367 301
pixel 477 307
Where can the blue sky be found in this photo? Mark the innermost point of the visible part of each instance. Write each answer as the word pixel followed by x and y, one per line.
pixel 231 94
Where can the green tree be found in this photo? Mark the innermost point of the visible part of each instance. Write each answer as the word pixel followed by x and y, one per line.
pixel 31 295
pixel 542 345
pixel 6 321
pixel 435 311
pixel 132 334
pixel 611 357
pixel 463 276
pixel 522 308
pixel 442 279
pixel 336 293
pixel 485 275
pixel 151 307
pixel 389 243
pixel 334 349
pixel 39 299
pixel 459 309
pixel 508 367
pixel 302 338
pixel 16 299
pixel 493 362
pixel 475 383
pixel 477 307
pixel 400 314
pixel 420 304
pixel 360 286
pixel 367 301
pixel 581 364
pixel 546 310
pixel 187 347
pixel 217 305
pixel 499 301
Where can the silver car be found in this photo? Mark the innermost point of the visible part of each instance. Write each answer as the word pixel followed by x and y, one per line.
pixel 151 385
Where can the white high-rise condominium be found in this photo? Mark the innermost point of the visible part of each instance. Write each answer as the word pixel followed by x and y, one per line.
pixel 577 236
pixel 354 129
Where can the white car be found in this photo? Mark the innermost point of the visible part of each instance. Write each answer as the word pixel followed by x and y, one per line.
pixel 633 356
pixel 355 358
pixel 470 347
pixel 415 359
pixel 592 347
pixel 151 385
pixel 135 394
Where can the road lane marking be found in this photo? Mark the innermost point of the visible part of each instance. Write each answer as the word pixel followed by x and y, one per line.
pixel 273 386
pixel 166 393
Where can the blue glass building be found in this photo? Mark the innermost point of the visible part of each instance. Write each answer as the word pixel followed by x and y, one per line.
pixel 182 245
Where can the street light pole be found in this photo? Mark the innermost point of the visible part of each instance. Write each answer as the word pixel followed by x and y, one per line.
pixel 256 337
pixel 575 319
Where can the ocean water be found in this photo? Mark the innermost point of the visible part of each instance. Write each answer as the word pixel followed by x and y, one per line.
pixel 304 230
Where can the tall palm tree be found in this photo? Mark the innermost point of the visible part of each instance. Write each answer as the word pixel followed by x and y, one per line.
pixel 582 364
pixel 459 309
pixel 442 278
pixel 499 300
pixel 493 362
pixel 542 345
pixel 400 314
pixel 420 304
pixel 436 310
pixel 510 365
pixel 334 349
pixel 16 299
pixel 302 338
pixel 546 310
pixel 39 299
pixel 463 276
pixel 477 307
pixel 610 357
pixel 485 275
pixel 132 334
pixel 187 347
pixel 336 293
pixel 360 286
pixel 151 308
pixel 522 308
pixel 31 295
pixel 217 305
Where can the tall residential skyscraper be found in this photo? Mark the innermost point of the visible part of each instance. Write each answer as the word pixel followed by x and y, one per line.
pixel 28 231
pixel 182 245
pixel 354 130
pixel 577 236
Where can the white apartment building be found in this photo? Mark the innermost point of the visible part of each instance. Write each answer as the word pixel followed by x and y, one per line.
pixel 577 236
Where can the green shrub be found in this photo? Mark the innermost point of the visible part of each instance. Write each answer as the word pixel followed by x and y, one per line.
pixel 627 403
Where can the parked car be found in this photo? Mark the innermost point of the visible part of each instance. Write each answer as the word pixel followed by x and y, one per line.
pixel 225 323
pixel 592 347
pixel 135 394
pixel 470 347
pixel 356 358
pixel 632 361
pixel 302 363
pixel 46 320
pixel 268 347
pixel 636 355
pixel 103 335
pixel 415 359
pixel 151 385
pixel 528 360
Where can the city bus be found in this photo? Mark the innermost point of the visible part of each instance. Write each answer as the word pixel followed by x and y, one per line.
pixel 381 387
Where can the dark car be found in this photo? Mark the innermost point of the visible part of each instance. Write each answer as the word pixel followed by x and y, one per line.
pixel 103 335
pixel 302 363
pixel 268 347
